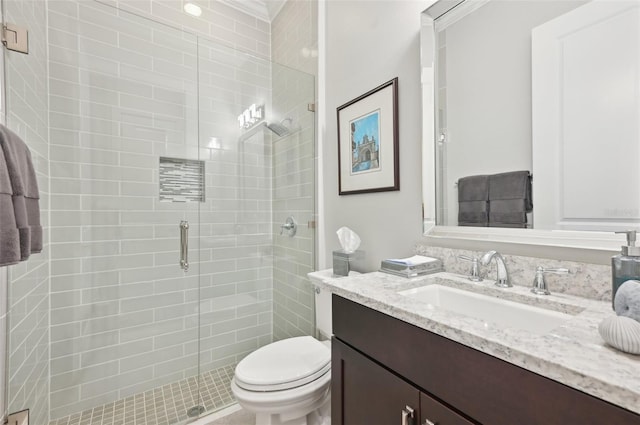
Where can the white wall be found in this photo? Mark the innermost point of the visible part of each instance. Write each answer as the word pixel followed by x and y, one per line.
pixel 367 44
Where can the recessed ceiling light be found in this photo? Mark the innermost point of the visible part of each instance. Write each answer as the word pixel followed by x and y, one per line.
pixel 192 9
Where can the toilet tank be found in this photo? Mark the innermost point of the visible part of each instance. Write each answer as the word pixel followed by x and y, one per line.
pixel 324 326
pixel 322 304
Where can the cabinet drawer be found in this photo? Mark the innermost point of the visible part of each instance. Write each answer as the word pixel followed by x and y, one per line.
pixel 432 412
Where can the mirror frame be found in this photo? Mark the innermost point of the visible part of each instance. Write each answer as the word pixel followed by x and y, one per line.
pixel 593 247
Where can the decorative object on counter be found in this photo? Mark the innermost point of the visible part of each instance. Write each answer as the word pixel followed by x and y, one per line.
pixel 411 266
pixel 20 229
pixel 621 333
pixel 342 259
pixel 626 265
pixel 368 159
pixel 627 300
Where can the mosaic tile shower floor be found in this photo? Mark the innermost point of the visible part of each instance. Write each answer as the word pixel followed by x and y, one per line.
pixel 164 405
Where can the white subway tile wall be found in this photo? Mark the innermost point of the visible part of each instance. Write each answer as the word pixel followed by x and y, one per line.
pixel 294 43
pixel 28 303
pixel 124 91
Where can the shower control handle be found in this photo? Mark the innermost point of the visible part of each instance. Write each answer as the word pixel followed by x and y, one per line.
pixel 290 226
pixel 184 245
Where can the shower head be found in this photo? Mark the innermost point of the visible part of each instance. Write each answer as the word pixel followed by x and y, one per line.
pixel 283 128
pixel 279 129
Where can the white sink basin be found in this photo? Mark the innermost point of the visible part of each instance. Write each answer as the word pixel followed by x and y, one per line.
pixel 495 312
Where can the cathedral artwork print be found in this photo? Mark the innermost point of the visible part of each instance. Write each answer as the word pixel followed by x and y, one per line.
pixel 368 159
pixel 365 143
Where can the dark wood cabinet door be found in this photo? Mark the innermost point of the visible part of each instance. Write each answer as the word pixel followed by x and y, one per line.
pixel 432 412
pixel 365 393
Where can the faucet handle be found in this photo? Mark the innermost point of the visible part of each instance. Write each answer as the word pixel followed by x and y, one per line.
pixel 474 273
pixel 539 284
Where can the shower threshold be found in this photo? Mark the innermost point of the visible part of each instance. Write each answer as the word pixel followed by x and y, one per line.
pixel 166 405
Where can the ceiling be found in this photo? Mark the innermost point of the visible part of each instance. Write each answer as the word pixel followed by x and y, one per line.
pixel 261 9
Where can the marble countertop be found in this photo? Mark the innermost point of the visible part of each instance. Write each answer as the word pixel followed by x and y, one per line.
pixel 573 353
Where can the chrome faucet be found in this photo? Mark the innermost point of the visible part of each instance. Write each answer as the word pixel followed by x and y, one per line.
pixel 502 278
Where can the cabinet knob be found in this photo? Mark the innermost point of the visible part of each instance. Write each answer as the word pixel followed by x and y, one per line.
pixel 428 422
pixel 407 415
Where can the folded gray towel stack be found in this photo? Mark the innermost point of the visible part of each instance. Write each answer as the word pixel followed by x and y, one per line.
pixel 473 197
pixel 9 236
pixel 18 178
pixel 509 199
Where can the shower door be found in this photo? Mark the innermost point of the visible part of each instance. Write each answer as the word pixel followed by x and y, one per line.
pixel 124 143
pixel 126 183
pixel 257 138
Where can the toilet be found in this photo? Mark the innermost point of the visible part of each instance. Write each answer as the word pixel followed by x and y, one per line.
pixel 288 382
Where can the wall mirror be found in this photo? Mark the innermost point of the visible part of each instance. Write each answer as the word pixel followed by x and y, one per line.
pixel 550 88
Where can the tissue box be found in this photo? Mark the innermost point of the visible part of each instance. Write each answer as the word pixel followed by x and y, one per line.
pixel 344 262
pixel 341 263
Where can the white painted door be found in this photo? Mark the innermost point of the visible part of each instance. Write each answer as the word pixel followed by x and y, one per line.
pixel 586 114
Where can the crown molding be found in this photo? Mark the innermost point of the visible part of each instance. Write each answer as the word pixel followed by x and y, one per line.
pixel 265 10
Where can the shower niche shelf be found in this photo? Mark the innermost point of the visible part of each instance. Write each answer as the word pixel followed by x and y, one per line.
pixel 181 180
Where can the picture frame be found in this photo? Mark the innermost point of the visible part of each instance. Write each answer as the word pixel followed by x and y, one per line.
pixel 368 151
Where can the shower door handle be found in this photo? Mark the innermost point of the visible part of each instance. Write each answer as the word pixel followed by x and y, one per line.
pixel 184 245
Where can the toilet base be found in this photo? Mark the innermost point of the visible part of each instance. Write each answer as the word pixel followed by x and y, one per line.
pixel 320 416
pixel 266 419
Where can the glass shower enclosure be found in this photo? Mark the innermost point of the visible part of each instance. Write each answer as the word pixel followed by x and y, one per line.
pixel 167 164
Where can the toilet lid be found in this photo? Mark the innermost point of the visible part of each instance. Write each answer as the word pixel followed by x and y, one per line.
pixel 284 364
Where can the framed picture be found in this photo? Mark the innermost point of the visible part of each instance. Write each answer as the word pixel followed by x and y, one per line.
pixel 368 142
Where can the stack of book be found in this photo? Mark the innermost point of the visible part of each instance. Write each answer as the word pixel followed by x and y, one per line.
pixel 417 265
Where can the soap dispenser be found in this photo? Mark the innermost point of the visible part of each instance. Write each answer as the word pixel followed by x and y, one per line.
pixel 626 265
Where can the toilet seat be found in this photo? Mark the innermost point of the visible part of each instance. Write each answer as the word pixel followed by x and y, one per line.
pixel 283 365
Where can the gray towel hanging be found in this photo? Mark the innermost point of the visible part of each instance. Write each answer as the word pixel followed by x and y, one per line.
pixel 24 187
pixel 509 199
pixel 473 197
pixel 9 236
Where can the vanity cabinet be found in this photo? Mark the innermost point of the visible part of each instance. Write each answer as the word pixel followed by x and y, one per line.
pixel 382 365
